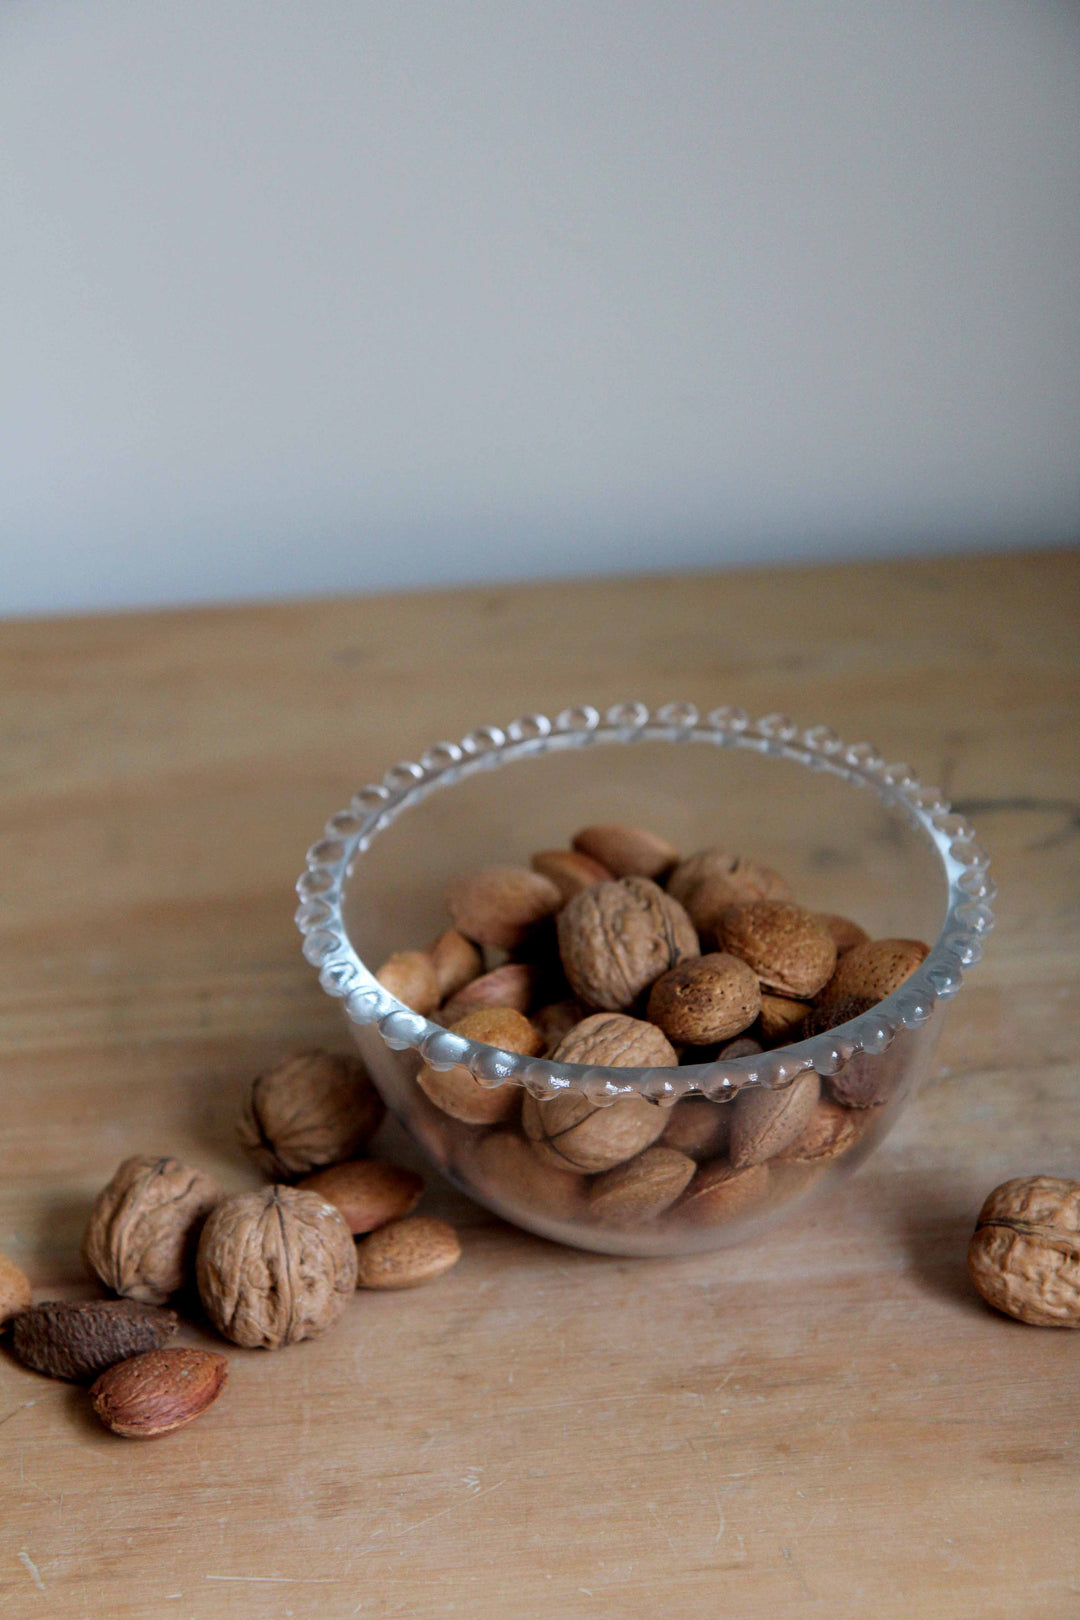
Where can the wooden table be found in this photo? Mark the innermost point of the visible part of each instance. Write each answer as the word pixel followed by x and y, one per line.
pixel 823 1423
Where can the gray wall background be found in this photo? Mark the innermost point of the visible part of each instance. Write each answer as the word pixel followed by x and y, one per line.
pixel 304 296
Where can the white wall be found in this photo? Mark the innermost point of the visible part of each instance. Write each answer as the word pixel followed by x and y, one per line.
pixel 306 295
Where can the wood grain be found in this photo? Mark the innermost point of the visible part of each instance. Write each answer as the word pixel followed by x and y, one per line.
pixel 823 1423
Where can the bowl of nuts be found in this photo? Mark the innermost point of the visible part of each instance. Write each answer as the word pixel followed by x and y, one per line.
pixel 646 981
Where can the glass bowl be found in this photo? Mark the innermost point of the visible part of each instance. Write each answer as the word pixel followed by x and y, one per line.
pixel 852 833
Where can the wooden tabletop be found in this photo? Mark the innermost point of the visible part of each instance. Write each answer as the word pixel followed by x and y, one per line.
pixel 825 1422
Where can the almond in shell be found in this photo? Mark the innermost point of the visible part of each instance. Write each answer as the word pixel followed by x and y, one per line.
pixel 411 977
pixel 791 952
pixel 765 1121
pixel 627 851
pixel 456 1092
pixel 498 905
pixel 569 870
pixel 720 1193
pixel 873 970
pixel 641 1189
pixel 712 998
pixel 457 962
pixel 405 1254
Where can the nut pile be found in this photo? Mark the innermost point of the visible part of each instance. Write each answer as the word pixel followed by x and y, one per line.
pixel 619 952
pixel 271 1267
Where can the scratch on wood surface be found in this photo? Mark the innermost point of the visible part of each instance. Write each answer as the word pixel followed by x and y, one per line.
pixel 473 1496
pixel 35 1574
pixel 15 1412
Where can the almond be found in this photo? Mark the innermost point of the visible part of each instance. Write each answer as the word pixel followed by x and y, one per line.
pixel 719 1193
pixel 627 851
pixel 873 970
pixel 511 985
pixel 642 1188
pixel 504 1167
pixel 158 1391
pixel 411 976
pixel 15 1293
pixel 712 998
pixel 791 952
pixel 845 933
pixel 713 878
pixel 457 962
pixel 569 870
pixel 782 1019
pixel 499 904
pixel 406 1253
pixel 766 1121
pixel 367 1192
pixel 455 1090
pixel 829 1133
pixel 699 1127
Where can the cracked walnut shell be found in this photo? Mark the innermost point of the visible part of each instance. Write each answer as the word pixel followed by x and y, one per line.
pixel 616 939
pixel 141 1235
pixel 1024 1255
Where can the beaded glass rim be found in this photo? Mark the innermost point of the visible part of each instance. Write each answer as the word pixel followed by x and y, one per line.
pixel 350 832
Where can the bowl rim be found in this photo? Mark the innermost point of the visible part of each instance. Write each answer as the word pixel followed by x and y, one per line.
pixel 349 833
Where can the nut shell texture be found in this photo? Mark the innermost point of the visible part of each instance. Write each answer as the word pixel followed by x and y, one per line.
pixel 713 878
pixel 788 948
pixel 1024 1256
pixel 766 1121
pixel 314 1109
pixel 158 1392
pixel 873 970
pixel 712 998
pixel 616 939
pixel 368 1192
pixel 141 1234
pixel 500 904
pixel 79 1340
pixel 275 1266
pixel 407 1253
pixel 642 1188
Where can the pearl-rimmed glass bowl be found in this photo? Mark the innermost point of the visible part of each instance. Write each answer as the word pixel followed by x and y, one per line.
pixel 851 832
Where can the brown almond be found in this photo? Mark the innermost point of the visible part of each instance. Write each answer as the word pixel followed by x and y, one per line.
pixel 782 1019
pixel 15 1292
pixel 641 1189
pixel 829 1133
pixel 766 1121
pixel 79 1340
pixel 712 998
pixel 367 1192
pixel 406 1253
pixel 503 1166
pixel 845 933
pixel 457 962
pixel 719 1193
pixel 159 1391
pixel 873 970
pixel 713 878
pixel 569 870
pixel 627 851
pixel 788 948
pixel 511 985
pixel 410 975
pixel 499 904
pixel 456 1091
pixel 699 1127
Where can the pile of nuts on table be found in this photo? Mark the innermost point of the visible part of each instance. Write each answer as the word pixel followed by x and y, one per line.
pixel 270 1267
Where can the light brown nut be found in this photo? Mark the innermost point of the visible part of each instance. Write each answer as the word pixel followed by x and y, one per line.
pixel 406 1253
pixel 367 1192
pixel 641 1189
pixel 1024 1256
pixel 765 1121
pixel 79 1341
pixel 499 904
pixel 159 1391
pixel 713 878
pixel 712 998
pixel 845 933
pixel 872 971
pixel 275 1266
pixel 556 1020
pixel 457 962
pixel 719 1193
pixel 410 975
pixel 572 1133
pixel 455 1090
pixel 867 1079
pixel 502 1166
pixel 612 1040
pixel 782 1019
pixel 312 1110
pixel 627 851
pixel 830 1132
pixel 15 1291
pixel 143 1227
pixel 616 939
pixel 569 870
pixel 699 1127
pixel 789 950
pixel 512 985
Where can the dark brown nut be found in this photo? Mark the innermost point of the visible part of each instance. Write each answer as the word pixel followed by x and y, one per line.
pixel 573 1133
pixel 845 933
pixel 275 1266
pixel 158 1392
pixel 556 1020
pixel 830 1133
pixel 512 985
pixel 827 1015
pixel 367 1192
pixel 616 939
pixel 614 1041
pixel 502 1166
pixel 15 1292
pixel 312 1110
pixel 699 1127
pixel 742 1046
pixel 143 1227
pixel 1024 1256
pixel 406 1253
pixel 872 971
pixel 627 851
pixel 782 1019
pixel 569 870
pixel 789 950
pixel 867 1079
pixel 456 1092
pixel 767 1121
pixel 78 1341
pixel 712 998
pixel 713 878
pixel 457 962
pixel 641 1189
pixel 499 904
pixel 719 1193
pixel 411 977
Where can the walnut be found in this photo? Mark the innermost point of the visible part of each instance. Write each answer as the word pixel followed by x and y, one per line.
pixel 1024 1257
pixel 611 1040
pixel 312 1110
pixel 275 1266
pixel 616 939
pixel 710 880
pixel 141 1235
